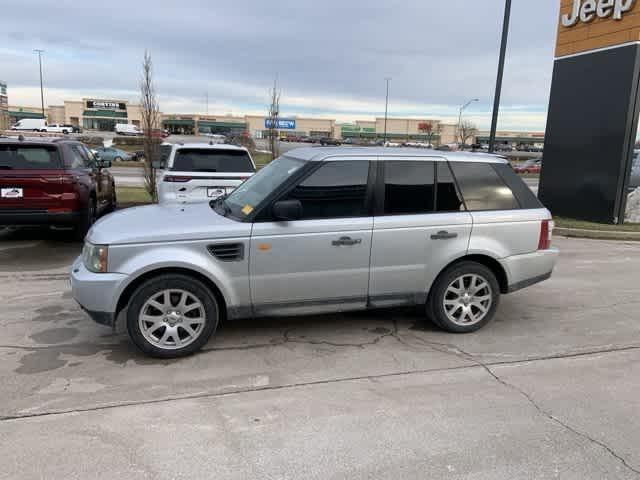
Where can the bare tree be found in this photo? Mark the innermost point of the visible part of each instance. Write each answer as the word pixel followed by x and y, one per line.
pixel 430 130
pixel 150 118
pixel 272 119
pixel 466 130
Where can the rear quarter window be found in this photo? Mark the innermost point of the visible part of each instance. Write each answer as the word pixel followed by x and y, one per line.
pixel 210 160
pixel 28 157
pixel 482 187
pixel 526 198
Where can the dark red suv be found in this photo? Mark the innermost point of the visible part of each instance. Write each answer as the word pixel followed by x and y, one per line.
pixel 53 182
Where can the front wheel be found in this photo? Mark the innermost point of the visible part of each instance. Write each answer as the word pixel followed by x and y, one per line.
pixel 172 316
pixel 117 159
pixel 464 298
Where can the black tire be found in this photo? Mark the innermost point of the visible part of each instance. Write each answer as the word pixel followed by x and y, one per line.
pixel 157 285
pixel 113 203
pixel 87 220
pixel 117 159
pixel 435 304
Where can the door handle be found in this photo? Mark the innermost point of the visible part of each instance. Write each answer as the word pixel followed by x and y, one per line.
pixel 346 242
pixel 444 235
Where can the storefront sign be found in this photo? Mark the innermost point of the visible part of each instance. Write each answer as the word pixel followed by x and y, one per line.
pixel 102 105
pixel 282 124
pixel 587 10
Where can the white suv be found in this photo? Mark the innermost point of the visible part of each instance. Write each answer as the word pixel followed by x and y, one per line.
pixel 203 172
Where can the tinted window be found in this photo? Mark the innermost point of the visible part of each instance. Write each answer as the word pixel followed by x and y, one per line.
pixel 209 160
pixel 28 157
pixel 482 188
pixel 335 190
pixel 408 188
pixel 448 198
pixel 526 198
pixel 78 158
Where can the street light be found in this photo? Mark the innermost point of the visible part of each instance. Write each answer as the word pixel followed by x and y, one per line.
pixel 462 109
pixel 386 110
pixel 40 52
pixel 503 52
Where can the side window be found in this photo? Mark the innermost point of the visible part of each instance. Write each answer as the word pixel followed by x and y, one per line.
pixel 89 155
pixel 77 158
pixel 448 198
pixel 482 187
pixel 335 190
pixel 523 193
pixel 408 187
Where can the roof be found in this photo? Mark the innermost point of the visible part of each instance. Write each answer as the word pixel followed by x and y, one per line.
pixel 35 140
pixel 209 146
pixel 319 154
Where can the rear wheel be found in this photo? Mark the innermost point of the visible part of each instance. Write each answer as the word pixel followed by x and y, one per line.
pixel 117 159
pixel 464 298
pixel 172 316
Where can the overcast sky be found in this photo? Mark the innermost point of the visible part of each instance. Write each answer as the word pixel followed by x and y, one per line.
pixel 331 57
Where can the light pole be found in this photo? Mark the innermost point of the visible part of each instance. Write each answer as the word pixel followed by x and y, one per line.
pixel 386 110
pixel 462 109
pixel 40 52
pixel 503 52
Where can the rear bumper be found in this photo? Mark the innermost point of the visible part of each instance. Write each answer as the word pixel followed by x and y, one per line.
pixel 529 269
pixel 37 217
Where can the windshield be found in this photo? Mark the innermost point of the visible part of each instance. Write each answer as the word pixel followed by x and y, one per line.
pixel 210 160
pixel 243 200
pixel 28 157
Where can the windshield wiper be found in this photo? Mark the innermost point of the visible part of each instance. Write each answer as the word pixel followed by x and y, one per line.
pixel 211 170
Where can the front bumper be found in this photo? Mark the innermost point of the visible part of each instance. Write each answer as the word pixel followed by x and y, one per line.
pixel 96 293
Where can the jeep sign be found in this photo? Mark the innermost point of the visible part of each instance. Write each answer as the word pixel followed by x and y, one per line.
pixel 587 10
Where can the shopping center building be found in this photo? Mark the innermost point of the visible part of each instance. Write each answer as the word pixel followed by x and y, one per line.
pixel 100 114
pixel 4 106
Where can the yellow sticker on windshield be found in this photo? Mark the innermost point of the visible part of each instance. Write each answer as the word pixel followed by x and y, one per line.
pixel 247 209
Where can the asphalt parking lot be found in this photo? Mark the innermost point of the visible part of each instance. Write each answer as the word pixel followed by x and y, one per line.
pixel 550 389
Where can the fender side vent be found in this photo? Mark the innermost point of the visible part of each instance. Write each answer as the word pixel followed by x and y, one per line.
pixel 227 252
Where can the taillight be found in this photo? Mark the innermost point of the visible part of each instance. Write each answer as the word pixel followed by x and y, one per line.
pixel 176 179
pixel 546 230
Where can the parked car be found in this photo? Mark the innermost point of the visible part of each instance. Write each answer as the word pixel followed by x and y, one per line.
pixel 30 125
pixel 58 128
pixel 533 165
pixel 329 141
pixel 113 154
pixel 127 129
pixel 58 183
pixel 504 148
pixel 159 133
pixel 73 128
pixel 203 172
pixel 315 232
pixel 216 137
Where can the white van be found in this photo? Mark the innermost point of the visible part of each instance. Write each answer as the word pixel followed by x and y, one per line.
pixel 31 124
pixel 127 129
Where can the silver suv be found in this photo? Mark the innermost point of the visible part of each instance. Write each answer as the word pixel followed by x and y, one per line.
pixel 321 230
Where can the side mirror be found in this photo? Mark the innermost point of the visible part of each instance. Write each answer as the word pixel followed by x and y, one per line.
pixel 287 210
pixel 104 163
pixel 158 164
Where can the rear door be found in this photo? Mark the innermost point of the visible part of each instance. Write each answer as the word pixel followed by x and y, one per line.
pixel 204 174
pixel 420 227
pixel 30 177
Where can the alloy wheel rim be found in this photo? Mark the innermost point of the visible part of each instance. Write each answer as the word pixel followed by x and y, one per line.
pixel 172 319
pixel 468 299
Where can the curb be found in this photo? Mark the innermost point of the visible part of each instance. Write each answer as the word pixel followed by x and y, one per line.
pixel 596 234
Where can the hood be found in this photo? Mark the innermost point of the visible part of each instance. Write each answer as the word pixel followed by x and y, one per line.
pixel 165 223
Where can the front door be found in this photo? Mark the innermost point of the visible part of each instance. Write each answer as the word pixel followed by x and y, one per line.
pixel 422 226
pixel 319 263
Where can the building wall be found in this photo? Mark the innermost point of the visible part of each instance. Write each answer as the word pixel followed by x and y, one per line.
pixel 55 114
pixel 4 106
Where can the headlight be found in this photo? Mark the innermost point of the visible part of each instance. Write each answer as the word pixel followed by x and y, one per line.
pixel 95 257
